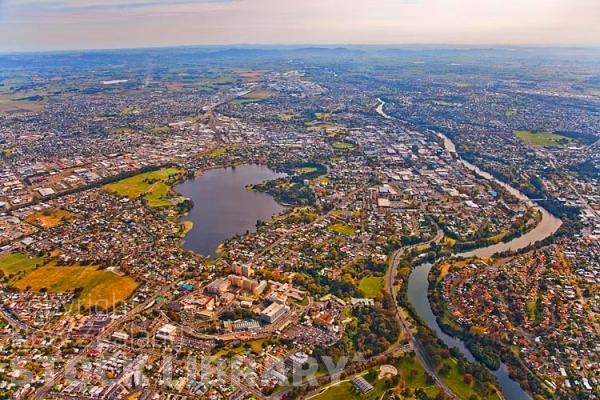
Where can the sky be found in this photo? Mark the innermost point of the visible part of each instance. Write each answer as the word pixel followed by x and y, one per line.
pixel 32 25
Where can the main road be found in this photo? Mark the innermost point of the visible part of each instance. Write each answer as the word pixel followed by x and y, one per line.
pixel 394 261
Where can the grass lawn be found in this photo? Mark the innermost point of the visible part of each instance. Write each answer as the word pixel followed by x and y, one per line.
pixel 531 310
pixel 371 286
pixel 423 247
pixel 446 265
pixel 544 139
pixel 186 227
pixel 342 229
pixel 497 238
pixel 305 170
pixel 100 287
pixel 323 116
pixel 120 131
pixel 49 218
pixel 218 152
pixel 412 375
pixel 253 97
pixel 342 391
pixel 257 345
pixel 15 263
pixel 161 129
pixel 153 186
pixel 455 381
pixel 342 146
pixel 345 390
pixel 449 241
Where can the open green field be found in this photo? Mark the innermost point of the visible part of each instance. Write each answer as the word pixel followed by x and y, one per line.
pixel 186 227
pixel 253 97
pixel 544 139
pixel 160 130
pixel 342 146
pixel 15 263
pixel 305 170
pixel 321 116
pixel 99 287
pixel 153 186
pixel 123 130
pixel 218 152
pixel 371 286
pixel 342 229
pixel 455 381
pixel 345 390
pixel 412 376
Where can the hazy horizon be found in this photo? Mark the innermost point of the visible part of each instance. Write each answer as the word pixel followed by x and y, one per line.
pixel 56 25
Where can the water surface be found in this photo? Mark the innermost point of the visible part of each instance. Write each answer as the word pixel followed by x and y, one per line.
pixel 418 282
pixel 224 208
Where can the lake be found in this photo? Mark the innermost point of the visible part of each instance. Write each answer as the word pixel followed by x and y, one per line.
pixel 224 208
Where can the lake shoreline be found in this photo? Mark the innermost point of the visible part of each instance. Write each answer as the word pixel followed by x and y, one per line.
pixel 224 206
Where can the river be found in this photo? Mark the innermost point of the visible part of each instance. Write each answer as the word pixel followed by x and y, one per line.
pixel 418 281
pixel 546 227
pixel 223 207
pixel 379 109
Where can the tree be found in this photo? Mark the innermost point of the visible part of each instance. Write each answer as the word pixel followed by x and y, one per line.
pixel 468 379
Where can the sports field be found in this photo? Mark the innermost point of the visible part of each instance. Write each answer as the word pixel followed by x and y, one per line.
pixel 371 286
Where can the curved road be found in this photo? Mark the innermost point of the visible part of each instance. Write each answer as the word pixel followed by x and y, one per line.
pixel 422 355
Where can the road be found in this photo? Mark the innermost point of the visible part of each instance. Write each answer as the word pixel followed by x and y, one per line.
pixel 422 355
pixel 348 199
pixel 106 332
